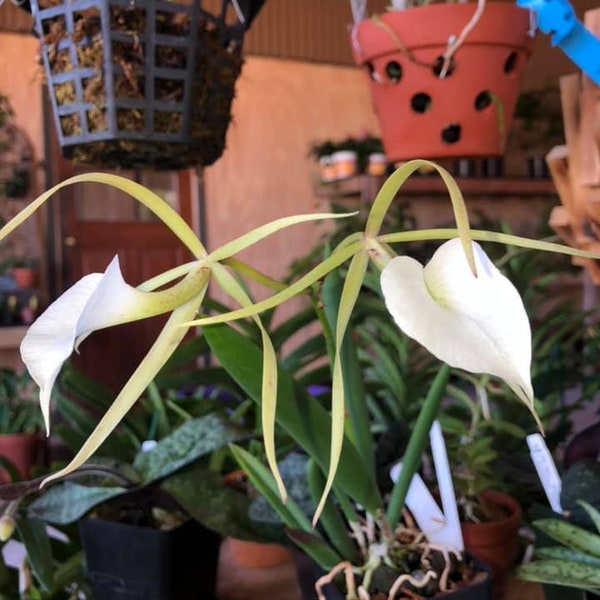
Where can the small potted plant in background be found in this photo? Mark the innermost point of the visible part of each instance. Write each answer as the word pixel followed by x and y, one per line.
pixel 490 518
pixel 24 271
pixel 20 422
pixel 161 495
pixel 17 185
pixel 351 156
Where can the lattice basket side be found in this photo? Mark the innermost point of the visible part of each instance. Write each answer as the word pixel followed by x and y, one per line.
pixel 148 84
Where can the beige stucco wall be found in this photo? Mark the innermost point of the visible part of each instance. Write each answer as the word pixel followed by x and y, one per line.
pixel 21 80
pixel 265 173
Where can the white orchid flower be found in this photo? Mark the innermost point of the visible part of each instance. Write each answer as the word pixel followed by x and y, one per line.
pixel 96 301
pixel 476 323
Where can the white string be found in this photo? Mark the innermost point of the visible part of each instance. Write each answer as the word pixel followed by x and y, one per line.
pixel 358 10
pixel 238 11
pixel 532 23
pixel 457 42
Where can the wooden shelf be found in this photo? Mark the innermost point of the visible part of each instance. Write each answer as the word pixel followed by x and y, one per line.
pixel 365 186
pixel 10 337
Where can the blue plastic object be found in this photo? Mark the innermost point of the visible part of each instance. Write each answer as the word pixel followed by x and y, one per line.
pixel 558 18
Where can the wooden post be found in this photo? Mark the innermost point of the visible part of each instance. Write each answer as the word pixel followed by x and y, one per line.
pixel 575 167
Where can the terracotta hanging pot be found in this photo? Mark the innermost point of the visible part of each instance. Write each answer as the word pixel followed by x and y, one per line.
pixel 495 543
pixel 467 112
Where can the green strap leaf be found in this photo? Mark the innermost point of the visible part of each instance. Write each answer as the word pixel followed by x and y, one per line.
pixel 562 553
pixel 561 572
pixel 67 502
pixel 332 521
pixel 593 512
pixel 570 535
pixel 193 439
pixel 300 415
pixel 39 553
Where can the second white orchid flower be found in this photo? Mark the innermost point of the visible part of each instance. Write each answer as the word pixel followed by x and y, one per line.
pixel 473 322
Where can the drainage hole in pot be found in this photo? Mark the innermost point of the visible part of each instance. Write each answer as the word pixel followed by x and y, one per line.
pixel 451 133
pixel 483 100
pixel 510 64
pixel 421 102
pixel 394 71
pixel 438 66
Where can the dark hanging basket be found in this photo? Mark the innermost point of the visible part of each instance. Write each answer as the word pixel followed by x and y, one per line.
pixel 141 83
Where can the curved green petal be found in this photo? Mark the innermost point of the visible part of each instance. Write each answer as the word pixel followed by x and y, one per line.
pixel 350 291
pixel 339 257
pixel 483 235
pixel 392 185
pixel 170 217
pixel 474 323
pixel 269 372
pixel 260 233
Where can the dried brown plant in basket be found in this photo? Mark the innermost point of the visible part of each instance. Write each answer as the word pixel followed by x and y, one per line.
pixel 162 96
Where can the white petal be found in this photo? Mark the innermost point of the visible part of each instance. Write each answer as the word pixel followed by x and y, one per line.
pixel 49 341
pixel 114 301
pixel 474 323
pixel 96 301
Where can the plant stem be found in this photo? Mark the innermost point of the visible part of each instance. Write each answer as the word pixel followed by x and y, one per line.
pixel 416 445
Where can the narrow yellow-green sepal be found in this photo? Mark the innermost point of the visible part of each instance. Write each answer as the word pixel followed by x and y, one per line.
pixel 269 373
pixel 166 343
pixel 485 236
pixel 350 291
pixel 339 257
pixel 392 185
pixel 157 205
pixel 260 233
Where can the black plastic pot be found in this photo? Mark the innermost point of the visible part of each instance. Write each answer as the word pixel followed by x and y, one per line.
pixel 126 562
pixel 308 572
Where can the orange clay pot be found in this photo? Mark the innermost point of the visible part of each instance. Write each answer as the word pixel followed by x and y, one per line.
pixel 25 277
pixel 469 112
pixel 20 449
pixel 257 555
pixel 495 543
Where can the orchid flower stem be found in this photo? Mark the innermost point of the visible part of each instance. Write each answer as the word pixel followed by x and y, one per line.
pixel 416 445
pixel 317 304
pixel 245 269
